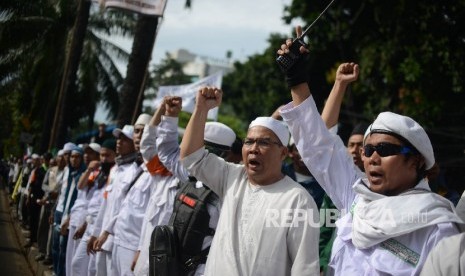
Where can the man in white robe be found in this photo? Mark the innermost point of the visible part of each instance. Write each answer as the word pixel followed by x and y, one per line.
pixel 83 262
pixel 120 178
pixel 392 218
pixel 461 207
pixel 447 258
pixel 220 139
pixel 268 223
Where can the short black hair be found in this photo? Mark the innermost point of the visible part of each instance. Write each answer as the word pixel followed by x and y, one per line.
pixel 359 128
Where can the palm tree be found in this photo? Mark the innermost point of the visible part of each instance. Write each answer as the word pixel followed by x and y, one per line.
pixel 34 37
pixel 134 83
pixel 33 34
pixel 131 96
pixel 99 78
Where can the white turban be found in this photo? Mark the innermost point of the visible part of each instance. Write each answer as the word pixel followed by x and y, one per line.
pixel 219 134
pixel 278 127
pixel 407 128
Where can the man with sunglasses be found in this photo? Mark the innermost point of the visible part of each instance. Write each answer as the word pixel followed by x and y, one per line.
pixel 393 220
pixel 268 223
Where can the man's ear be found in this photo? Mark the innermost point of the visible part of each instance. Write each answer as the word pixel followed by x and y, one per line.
pixel 285 153
pixel 419 161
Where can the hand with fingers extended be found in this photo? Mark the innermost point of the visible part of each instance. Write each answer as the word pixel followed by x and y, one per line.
pixel 90 245
pixel 64 227
pixel 347 73
pixel 80 232
pixel 100 241
pixel 291 59
pixel 173 105
pixel 208 98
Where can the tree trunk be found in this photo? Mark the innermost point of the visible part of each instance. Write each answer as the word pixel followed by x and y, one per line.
pixel 68 84
pixel 134 83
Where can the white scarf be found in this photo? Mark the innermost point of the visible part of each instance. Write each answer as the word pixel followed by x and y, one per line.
pixel 377 217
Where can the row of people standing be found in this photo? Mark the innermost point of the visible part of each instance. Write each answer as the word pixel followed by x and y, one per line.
pixel 265 223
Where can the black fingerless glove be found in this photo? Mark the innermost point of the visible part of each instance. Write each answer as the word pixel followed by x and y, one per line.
pixel 297 74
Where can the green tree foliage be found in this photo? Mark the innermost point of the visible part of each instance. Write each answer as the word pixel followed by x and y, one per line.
pixel 408 52
pixel 34 40
pixel 256 87
pixel 412 59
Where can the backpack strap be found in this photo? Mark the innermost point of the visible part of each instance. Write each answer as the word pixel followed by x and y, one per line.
pixel 193 262
pixel 139 173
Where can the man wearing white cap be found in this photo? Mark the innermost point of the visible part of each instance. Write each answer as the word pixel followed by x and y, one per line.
pixel 58 264
pixel 68 227
pixel 218 139
pixel 52 190
pixel 128 225
pixel 97 172
pixel 34 192
pixel 83 193
pixel 268 223
pixel 392 218
pixel 121 176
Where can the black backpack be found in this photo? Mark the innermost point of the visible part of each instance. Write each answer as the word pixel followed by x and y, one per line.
pixel 176 249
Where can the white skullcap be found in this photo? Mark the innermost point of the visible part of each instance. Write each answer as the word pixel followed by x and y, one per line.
pixel 94 146
pixel 219 134
pixel 407 128
pixel 278 127
pixel 60 152
pixel 35 156
pixel 68 147
pixel 143 119
pixel 127 130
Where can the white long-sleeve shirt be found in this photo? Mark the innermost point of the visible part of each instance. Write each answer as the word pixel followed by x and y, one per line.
pixel 461 207
pixel 119 180
pixel 78 212
pixel 130 219
pixel 62 196
pixel 93 208
pixel 160 205
pixel 262 230
pixel 169 154
pixel 329 163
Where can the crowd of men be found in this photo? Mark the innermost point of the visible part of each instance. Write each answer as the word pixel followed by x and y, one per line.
pixel 99 208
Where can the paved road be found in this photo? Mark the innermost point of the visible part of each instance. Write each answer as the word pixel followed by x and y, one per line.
pixel 12 260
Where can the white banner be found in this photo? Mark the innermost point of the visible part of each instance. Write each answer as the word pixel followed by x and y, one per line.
pixel 188 93
pixel 148 7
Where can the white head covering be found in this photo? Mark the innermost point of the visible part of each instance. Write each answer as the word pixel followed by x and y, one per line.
pixel 94 146
pixel 68 147
pixel 278 127
pixel 143 119
pixel 35 156
pixel 407 128
pixel 127 130
pixel 219 134
pixel 60 152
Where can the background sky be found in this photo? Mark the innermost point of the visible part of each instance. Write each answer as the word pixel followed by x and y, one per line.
pixel 210 28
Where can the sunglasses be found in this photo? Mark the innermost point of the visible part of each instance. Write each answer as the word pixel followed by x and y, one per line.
pixel 386 149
